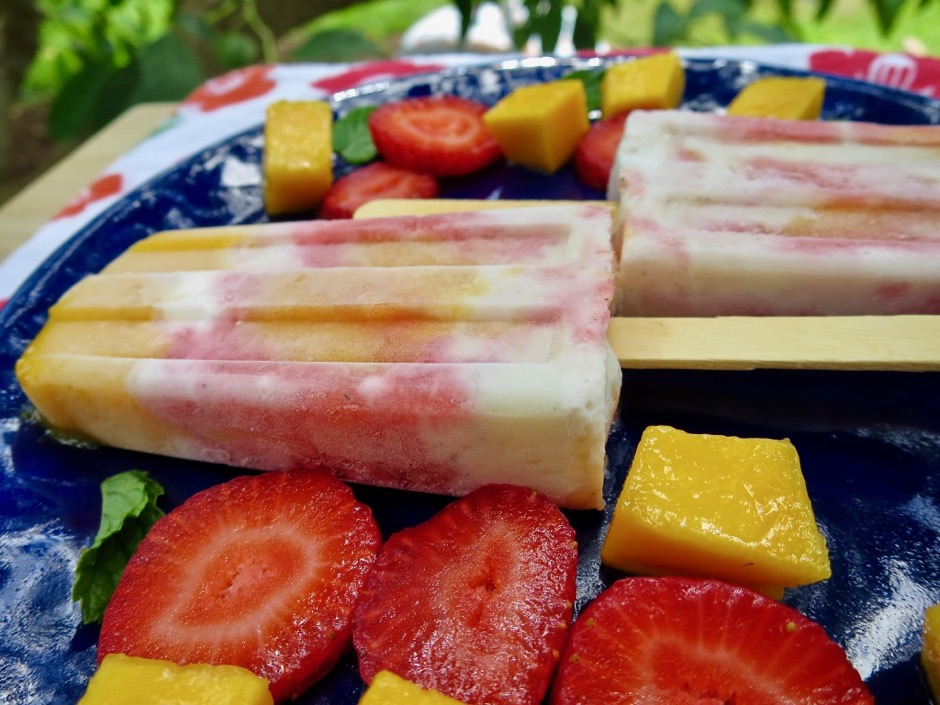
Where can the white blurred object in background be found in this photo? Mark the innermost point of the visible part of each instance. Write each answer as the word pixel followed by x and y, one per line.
pixel 439 31
pixel 491 30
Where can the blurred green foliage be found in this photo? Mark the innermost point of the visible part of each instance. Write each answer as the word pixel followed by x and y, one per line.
pixel 98 57
pixel 685 22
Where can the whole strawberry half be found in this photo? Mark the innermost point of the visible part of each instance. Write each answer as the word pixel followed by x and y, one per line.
pixel 260 572
pixel 597 150
pixel 441 135
pixel 476 601
pixel 684 641
pixel 371 182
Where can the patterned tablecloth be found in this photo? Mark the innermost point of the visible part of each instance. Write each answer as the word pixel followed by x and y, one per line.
pixel 237 100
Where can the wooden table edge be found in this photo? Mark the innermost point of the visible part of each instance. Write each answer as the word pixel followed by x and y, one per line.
pixel 38 202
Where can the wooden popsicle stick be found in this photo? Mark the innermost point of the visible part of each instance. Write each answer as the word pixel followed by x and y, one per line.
pixel 903 343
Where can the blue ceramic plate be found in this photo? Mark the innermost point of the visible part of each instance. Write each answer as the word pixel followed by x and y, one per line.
pixel 869 442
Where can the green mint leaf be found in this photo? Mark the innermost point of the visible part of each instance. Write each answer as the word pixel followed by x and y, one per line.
pixel 128 510
pixel 591 78
pixel 351 137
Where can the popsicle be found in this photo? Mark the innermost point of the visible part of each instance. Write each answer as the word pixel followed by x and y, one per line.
pixel 436 353
pixel 724 215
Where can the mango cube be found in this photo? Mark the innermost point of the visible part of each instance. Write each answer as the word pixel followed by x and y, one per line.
pixel 540 125
pixel 130 680
pixel 930 655
pixel 387 688
pixel 734 509
pixel 652 82
pixel 783 97
pixel 298 155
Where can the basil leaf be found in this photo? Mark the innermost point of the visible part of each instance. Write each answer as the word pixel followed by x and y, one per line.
pixel 128 510
pixel 591 78
pixel 351 137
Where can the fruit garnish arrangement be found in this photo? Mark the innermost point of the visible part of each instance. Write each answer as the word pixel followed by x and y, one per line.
pixel 276 574
pixel 543 127
pixel 256 589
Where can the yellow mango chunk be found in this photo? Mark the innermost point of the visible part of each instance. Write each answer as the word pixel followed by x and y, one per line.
pixel 387 688
pixel 130 680
pixel 540 125
pixel 652 82
pixel 930 655
pixel 298 155
pixel 783 97
pixel 735 509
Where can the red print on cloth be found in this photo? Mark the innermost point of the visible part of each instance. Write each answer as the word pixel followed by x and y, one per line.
pixel 372 71
pixel 232 87
pixel 910 73
pixel 102 187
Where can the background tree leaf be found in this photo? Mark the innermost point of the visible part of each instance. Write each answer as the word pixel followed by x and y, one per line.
pixel 772 34
pixel 544 21
pixel 887 12
pixel 822 10
pixel 115 95
pixel 197 26
pixel 169 70
pixel 165 70
pixel 668 25
pixel 74 109
pixel 588 22
pixel 725 8
pixel 233 50
pixel 336 45
pixel 466 8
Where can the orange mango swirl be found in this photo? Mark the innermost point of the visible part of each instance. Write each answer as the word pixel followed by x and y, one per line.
pixel 435 353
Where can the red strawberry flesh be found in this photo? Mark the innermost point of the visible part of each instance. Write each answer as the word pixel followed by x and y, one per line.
pixel 260 572
pixel 371 182
pixel 677 640
pixel 597 150
pixel 475 602
pixel 441 135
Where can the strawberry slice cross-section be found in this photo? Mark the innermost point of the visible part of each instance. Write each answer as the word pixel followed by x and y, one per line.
pixel 371 182
pixel 684 641
pixel 441 135
pixel 260 572
pixel 594 158
pixel 475 602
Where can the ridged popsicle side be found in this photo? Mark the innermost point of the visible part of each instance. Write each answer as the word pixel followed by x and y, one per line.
pixel 434 354
pixel 746 216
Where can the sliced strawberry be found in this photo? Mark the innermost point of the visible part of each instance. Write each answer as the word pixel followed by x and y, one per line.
pixel 681 640
pixel 594 157
pixel 260 572
pixel 476 601
pixel 443 135
pixel 376 180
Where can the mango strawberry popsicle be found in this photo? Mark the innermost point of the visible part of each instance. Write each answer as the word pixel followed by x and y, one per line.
pixel 437 354
pixel 725 215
